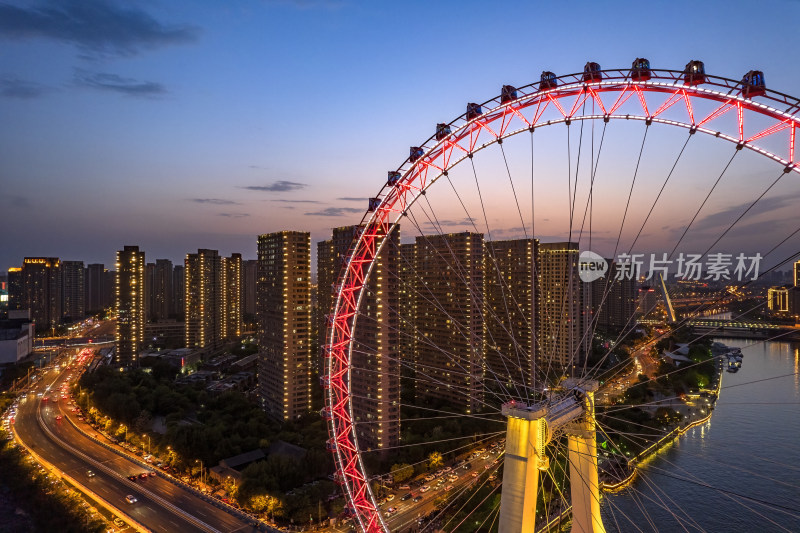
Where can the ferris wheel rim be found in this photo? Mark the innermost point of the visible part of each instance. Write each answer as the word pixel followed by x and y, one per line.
pixel 350 469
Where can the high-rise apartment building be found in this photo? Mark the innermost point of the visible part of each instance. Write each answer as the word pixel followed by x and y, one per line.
pixel 510 296
pixel 130 303
pixel 406 294
pixel 232 296
pixel 327 270
pixel 179 291
pixel 161 293
pixel 73 303
pixel 561 317
pixel 204 300
pixel 613 300
pixel 41 290
pixel 15 292
pixel 284 323
pixel 374 363
pixel 249 279
pixel 449 283
pixel 95 287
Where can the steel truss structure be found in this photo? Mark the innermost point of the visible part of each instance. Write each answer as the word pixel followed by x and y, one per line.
pixel 664 98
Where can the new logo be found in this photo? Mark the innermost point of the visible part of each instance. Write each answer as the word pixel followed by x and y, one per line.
pixel 591 266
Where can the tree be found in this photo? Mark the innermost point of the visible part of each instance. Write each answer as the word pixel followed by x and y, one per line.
pixel 402 472
pixel 435 460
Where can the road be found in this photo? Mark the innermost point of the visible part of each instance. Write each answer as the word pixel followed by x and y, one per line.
pixel 404 519
pixel 162 506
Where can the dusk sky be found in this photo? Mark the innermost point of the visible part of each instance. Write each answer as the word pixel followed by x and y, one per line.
pixel 181 125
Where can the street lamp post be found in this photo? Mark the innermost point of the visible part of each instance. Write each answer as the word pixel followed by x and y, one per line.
pixel 148 443
pixel 201 469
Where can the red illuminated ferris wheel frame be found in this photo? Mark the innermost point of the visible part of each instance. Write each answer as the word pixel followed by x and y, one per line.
pixel 665 97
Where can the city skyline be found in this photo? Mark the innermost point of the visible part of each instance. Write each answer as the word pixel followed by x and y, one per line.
pixel 168 136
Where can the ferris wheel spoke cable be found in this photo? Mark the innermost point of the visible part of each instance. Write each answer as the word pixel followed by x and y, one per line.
pixel 724 492
pixel 636 491
pixel 497 268
pixel 609 282
pixel 466 283
pixel 685 321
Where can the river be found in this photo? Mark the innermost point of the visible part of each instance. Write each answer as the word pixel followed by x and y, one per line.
pixel 738 472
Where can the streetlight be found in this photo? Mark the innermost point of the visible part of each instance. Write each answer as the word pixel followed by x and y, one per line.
pixel 148 444
pixel 201 468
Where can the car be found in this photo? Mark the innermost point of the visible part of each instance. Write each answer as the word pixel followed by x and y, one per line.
pixel 474 474
pixel 389 497
pixel 130 498
pixel 449 487
pixel 430 477
pixel 89 473
pixel 118 521
pixel 487 466
pixel 151 474
pixel 485 456
pixel 425 488
pixel 58 417
pixel 404 487
pixel 406 497
pixel 447 469
pixel 133 477
pixel 46 398
pixel 417 499
pixel 467 466
pixel 391 510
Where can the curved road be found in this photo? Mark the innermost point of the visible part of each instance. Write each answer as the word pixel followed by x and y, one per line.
pixel 162 506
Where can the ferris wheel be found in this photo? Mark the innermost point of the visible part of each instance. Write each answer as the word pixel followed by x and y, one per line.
pixel 507 293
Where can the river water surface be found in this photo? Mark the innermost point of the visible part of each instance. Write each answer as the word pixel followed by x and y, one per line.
pixel 738 472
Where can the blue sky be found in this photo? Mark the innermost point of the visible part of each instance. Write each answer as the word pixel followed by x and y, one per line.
pixel 179 125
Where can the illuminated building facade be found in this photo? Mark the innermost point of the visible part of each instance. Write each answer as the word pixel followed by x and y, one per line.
pixel 284 323
pixel 561 316
pixel 41 290
pixel 509 283
pixel 15 294
pixel 232 296
pixel 130 303
pixel 159 289
pixel 328 268
pixel 449 352
pixel 375 367
pixel 613 300
pixel 73 297
pixel 778 299
pixel 204 299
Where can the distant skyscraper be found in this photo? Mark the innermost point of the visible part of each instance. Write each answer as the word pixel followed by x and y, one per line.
pixel 109 288
pixel 41 290
pixel 327 268
pixel 249 279
pixel 15 292
pixel 204 299
pixel 162 298
pixel 560 321
pixel 407 305
pixel 179 291
pixel 232 296
pixel 375 367
pixel 510 304
pixel 613 301
pixel 130 294
pixel 449 319
pixel 72 290
pixel 284 323
pixel 94 287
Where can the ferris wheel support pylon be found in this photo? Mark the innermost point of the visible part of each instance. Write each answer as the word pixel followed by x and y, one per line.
pixel 530 428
